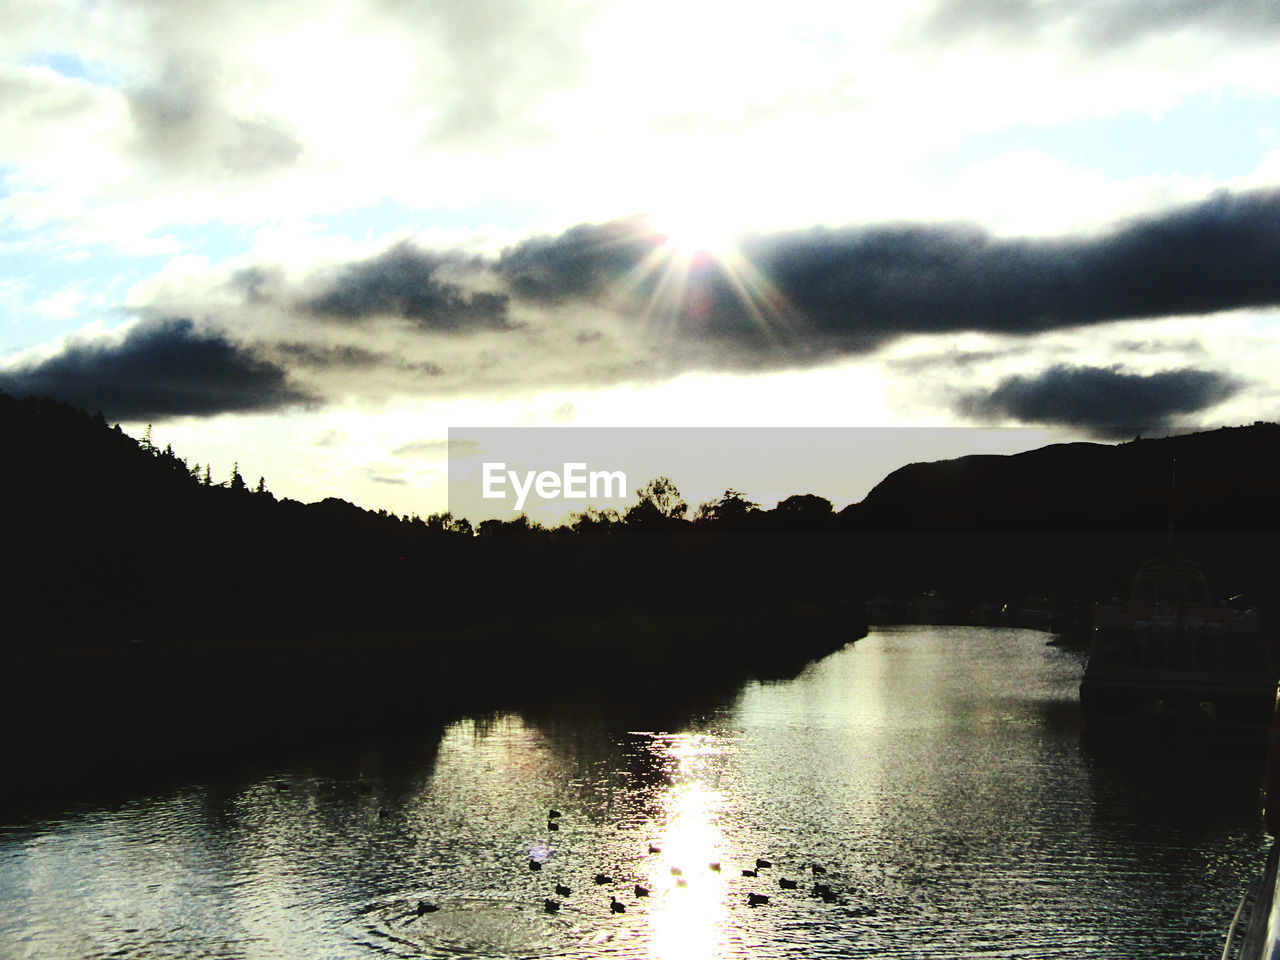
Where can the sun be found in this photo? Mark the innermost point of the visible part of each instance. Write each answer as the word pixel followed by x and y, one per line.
pixel 692 232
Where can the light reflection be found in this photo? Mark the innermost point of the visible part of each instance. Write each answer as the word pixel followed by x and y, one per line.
pixel 690 920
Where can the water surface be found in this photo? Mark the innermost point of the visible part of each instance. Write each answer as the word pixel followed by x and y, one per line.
pixel 936 774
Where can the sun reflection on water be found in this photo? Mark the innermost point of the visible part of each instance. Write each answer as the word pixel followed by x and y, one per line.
pixel 690 917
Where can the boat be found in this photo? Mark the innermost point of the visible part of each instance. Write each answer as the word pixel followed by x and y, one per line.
pixel 1254 932
pixel 1173 658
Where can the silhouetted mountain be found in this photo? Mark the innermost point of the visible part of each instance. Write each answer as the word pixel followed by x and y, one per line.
pixel 114 537
pixel 1227 481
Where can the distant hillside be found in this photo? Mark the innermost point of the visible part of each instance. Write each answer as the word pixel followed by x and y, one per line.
pixel 1227 481
pixel 114 538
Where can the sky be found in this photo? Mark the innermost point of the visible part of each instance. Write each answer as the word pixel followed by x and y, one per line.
pixel 312 237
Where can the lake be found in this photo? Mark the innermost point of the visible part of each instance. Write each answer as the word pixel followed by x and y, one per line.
pixel 936 775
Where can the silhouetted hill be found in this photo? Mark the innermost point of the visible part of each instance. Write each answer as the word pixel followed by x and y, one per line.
pixel 1228 481
pixel 114 538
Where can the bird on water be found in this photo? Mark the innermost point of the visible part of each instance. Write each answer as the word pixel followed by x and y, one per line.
pixel 615 906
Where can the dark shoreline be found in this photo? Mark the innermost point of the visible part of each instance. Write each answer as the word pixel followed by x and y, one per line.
pixel 91 719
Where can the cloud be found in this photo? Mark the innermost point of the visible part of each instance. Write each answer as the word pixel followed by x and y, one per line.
pixel 850 290
pixel 336 357
pixel 181 122
pixel 405 282
pixel 329 438
pixel 609 303
pixel 161 368
pixel 862 286
pixel 495 62
pixel 1102 25
pixel 436 448
pixel 584 262
pixel 1104 400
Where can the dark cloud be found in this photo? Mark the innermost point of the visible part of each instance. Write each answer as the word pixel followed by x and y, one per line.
pixel 162 368
pixel 338 357
pixel 953 360
pixel 335 357
pixel 404 282
pixel 1103 400
pixel 585 262
pixel 607 303
pixel 850 290
pixel 862 286
pixel 1101 25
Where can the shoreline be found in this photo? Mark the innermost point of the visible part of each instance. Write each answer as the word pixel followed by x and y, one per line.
pixel 86 714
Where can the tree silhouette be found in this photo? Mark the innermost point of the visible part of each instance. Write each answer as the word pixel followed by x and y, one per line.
pixel 447 523
pixel 660 508
pixel 730 510
pixel 803 512
pixel 595 520
pixel 517 526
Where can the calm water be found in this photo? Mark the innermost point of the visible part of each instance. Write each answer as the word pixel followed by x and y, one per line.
pixel 935 772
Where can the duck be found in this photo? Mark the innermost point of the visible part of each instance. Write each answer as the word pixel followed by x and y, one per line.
pixel 682 882
pixel 425 906
pixel 757 899
pixel 715 867
pixel 763 863
pixel 562 890
pixel 821 890
pixel 552 825
pixel 553 814
pixel 786 884
pixel 750 873
pixel 550 906
pixel 535 865
pixel 817 870
pixel 676 872
pixel 601 878
pixel 641 891
pixel 615 906
pixel 654 849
